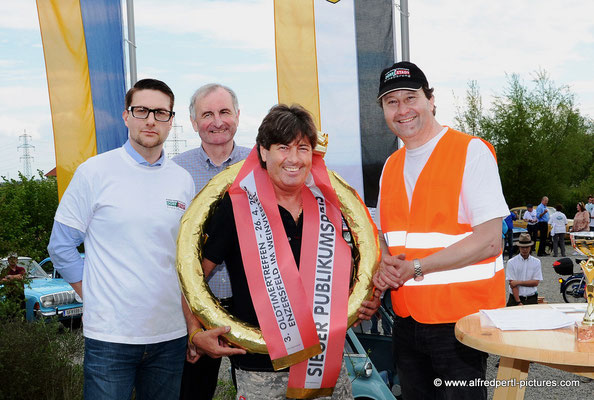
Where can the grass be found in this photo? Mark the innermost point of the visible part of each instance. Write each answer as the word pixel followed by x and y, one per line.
pixel 225 390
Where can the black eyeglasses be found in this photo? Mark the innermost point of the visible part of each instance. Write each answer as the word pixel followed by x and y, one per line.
pixel 143 113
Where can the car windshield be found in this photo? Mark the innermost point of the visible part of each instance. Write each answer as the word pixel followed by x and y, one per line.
pixel 33 269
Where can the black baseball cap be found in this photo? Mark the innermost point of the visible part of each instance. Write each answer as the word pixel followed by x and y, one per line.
pixel 402 75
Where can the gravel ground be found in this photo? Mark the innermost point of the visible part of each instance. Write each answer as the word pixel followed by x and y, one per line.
pixel 549 288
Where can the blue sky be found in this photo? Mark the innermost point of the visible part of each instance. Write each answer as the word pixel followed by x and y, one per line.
pixel 187 43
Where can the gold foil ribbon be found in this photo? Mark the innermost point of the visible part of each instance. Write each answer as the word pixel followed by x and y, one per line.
pixel 191 239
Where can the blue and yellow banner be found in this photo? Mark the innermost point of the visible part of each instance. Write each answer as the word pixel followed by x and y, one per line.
pixel 84 57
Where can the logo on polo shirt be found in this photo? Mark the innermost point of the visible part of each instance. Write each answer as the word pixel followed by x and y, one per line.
pixel 397 73
pixel 175 204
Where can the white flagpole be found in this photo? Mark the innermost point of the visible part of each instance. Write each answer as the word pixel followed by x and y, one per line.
pixel 404 30
pixel 131 42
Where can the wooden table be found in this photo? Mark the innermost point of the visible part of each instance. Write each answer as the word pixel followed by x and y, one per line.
pixel 556 348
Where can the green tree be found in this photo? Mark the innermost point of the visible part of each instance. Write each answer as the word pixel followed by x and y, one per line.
pixel 544 145
pixel 27 209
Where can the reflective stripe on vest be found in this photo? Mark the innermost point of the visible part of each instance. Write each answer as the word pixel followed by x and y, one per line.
pixel 438 241
pixel 429 224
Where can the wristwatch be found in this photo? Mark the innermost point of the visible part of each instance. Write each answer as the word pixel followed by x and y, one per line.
pixel 418 270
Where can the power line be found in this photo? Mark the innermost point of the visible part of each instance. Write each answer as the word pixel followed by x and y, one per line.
pixel 26 158
pixel 174 142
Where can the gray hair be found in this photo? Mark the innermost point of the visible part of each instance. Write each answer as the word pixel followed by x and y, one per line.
pixel 207 89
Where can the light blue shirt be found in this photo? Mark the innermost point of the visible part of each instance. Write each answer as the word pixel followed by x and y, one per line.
pixel 202 169
pixel 539 210
pixel 65 239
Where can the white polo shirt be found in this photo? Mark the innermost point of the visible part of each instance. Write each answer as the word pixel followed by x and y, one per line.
pixel 520 269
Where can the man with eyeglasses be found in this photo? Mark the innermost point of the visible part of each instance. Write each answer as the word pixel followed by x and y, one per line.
pixel 214 114
pixel 125 205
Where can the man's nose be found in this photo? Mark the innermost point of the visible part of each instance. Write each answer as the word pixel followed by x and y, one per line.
pixel 292 156
pixel 402 109
pixel 150 120
pixel 218 120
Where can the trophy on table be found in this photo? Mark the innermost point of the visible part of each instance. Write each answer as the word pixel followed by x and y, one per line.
pixel 583 242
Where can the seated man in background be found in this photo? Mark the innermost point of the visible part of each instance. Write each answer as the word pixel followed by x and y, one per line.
pixel 523 273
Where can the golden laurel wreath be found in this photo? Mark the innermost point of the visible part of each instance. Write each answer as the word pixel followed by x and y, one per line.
pixel 191 238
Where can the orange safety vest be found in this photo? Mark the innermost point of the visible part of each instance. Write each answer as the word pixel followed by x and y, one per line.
pixel 431 224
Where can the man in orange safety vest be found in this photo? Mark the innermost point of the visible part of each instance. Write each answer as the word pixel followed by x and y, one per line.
pixel 440 212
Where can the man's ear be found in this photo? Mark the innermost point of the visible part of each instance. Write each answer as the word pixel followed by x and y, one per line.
pixel 125 115
pixel 194 124
pixel 263 153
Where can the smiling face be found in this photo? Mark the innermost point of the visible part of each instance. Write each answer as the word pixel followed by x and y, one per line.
pixel 288 165
pixel 216 118
pixel 409 114
pixel 148 135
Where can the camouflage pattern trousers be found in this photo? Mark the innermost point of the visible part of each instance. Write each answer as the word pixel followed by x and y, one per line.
pixel 254 385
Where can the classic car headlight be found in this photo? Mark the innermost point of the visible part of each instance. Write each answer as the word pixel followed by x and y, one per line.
pixel 57 299
pixel 368 369
pixel 47 300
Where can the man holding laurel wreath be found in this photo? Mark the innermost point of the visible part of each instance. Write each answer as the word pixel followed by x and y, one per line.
pixel 442 260
pixel 279 230
pixel 214 113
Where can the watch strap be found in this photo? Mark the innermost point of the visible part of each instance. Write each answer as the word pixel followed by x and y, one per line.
pixel 417 267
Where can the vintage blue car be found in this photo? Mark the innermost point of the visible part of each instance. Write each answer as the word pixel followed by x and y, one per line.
pixel 361 364
pixel 368 358
pixel 47 297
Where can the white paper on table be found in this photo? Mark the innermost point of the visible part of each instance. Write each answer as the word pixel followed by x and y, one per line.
pixel 570 307
pixel 528 319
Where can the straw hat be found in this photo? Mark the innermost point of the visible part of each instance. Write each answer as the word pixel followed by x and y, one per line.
pixel 525 240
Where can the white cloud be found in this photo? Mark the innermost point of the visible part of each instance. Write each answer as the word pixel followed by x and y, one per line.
pixel 455 42
pixel 495 37
pixel 235 24
pixel 249 67
pixel 6 63
pixel 198 77
pixel 21 15
pixel 23 98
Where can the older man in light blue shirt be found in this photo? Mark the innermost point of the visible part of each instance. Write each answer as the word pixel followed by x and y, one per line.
pixel 214 114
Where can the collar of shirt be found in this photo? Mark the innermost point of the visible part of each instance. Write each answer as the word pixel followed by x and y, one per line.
pixel 206 159
pixel 139 159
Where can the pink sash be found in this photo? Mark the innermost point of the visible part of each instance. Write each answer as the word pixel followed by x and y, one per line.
pixel 306 335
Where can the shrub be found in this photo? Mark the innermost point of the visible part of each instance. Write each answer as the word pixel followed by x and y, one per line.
pixel 27 209
pixel 40 360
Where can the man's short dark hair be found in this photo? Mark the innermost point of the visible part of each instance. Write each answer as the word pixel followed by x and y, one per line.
pixel 559 207
pixel 428 92
pixel 283 125
pixel 150 84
